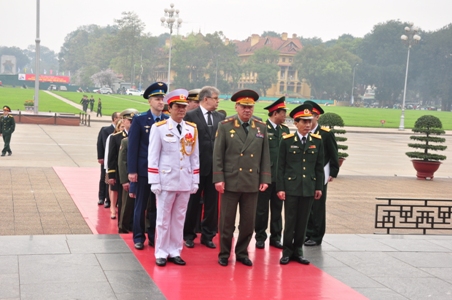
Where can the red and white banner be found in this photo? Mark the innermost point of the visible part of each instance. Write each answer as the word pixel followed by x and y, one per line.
pixel 45 78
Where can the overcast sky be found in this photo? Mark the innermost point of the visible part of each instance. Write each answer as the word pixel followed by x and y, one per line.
pixel 238 19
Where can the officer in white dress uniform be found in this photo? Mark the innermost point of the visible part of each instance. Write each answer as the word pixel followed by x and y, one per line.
pixel 173 169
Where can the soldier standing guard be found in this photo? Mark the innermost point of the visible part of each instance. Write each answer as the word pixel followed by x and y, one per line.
pixel 173 166
pixel 299 181
pixel 241 168
pixel 7 127
pixel 276 129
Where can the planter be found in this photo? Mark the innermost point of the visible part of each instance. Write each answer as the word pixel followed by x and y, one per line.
pixel 341 160
pixel 29 108
pixel 425 169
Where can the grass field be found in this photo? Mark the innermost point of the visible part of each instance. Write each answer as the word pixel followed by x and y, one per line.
pixel 352 116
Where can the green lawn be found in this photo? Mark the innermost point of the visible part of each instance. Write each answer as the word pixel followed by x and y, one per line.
pixel 352 116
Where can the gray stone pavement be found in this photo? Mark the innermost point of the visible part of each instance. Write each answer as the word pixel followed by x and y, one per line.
pixel 38 214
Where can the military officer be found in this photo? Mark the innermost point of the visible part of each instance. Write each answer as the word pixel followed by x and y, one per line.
pixel 137 163
pixel 299 181
pixel 7 127
pixel 241 168
pixel 193 99
pixel 126 212
pixel 317 218
pixel 173 167
pixel 276 129
pixel 113 155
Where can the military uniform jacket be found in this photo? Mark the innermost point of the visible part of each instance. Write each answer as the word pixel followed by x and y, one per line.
pixel 300 167
pixel 330 150
pixel 173 157
pixel 273 143
pixel 206 137
pixel 113 153
pixel 137 154
pixel 7 125
pixel 122 161
pixel 241 161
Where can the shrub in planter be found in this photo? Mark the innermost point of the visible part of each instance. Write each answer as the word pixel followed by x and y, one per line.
pixel 332 121
pixel 429 128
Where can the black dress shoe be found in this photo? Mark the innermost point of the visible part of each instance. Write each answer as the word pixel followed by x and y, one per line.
pixel 301 260
pixel 276 244
pixel 260 244
pixel 9 154
pixel 139 246
pixel 151 242
pixel 223 261
pixel 3 154
pixel 311 243
pixel 107 204
pixel 189 244
pixel 284 260
pixel 209 244
pixel 177 260
pixel 161 262
pixel 246 261
pixel 100 202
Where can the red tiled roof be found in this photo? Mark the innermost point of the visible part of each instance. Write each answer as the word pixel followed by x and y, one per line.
pixel 289 46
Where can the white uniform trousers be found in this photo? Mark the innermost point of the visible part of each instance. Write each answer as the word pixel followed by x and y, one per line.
pixel 171 209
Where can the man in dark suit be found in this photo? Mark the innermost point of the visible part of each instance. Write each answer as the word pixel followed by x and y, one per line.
pixel 241 168
pixel 276 129
pixel 299 181
pixel 206 119
pixel 137 163
pixel 317 218
pixel 101 139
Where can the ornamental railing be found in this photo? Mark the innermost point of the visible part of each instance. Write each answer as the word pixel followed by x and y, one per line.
pixel 413 213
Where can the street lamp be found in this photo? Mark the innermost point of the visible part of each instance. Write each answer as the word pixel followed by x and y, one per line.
pixel 353 85
pixel 37 58
pixel 410 38
pixel 170 20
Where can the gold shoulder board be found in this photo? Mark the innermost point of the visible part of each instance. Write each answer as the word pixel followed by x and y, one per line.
pixel 191 124
pixel 227 121
pixel 160 123
pixel 258 121
pixel 285 125
pixel 317 136
pixel 324 128
pixel 288 136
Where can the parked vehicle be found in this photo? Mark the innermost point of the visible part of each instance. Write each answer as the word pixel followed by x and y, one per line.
pixel 104 90
pixel 134 92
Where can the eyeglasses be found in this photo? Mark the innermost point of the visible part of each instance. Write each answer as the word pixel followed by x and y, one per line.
pixel 214 98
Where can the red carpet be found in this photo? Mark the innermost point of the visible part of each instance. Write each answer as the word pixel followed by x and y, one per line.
pixel 203 277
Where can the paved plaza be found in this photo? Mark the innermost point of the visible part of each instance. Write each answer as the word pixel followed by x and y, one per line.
pixel 37 210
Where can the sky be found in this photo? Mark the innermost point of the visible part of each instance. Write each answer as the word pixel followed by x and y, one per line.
pixel 237 19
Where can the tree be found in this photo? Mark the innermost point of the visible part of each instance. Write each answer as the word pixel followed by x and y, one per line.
pixel 328 71
pixel 264 63
pixel 104 78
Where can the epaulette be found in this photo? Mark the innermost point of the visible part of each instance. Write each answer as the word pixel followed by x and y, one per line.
pixel 259 121
pixel 288 136
pixel 160 123
pixel 191 124
pixel 317 136
pixel 227 120
pixel 324 128
pixel 285 125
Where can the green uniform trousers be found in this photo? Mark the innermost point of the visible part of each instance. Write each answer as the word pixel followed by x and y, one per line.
pixel 317 219
pixel 6 140
pixel 296 214
pixel 228 209
pixel 276 205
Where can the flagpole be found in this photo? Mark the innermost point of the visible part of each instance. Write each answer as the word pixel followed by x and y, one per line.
pixel 38 41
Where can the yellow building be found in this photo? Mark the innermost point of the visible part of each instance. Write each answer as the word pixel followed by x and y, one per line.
pixel 288 82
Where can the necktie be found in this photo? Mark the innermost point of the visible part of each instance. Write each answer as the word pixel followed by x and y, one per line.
pixel 277 130
pixel 303 140
pixel 209 122
pixel 245 127
pixel 157 119
pixel 179 128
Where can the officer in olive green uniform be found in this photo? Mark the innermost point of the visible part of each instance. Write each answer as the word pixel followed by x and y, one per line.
pixel 299 181
pixel 241 168
pixel 7 127
pixel 275 130
pixel 317 218
pixel 125 221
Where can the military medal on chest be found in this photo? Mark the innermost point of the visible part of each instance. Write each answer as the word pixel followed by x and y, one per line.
pixel 232 131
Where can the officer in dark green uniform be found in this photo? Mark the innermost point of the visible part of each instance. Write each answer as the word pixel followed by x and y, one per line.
pixel 241 168
pixel 299 181
pixel 7 127
pixel 317 218
pixel 276 129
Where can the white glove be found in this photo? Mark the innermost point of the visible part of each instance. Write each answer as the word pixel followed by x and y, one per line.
pixel 156 188
pixel 194 188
